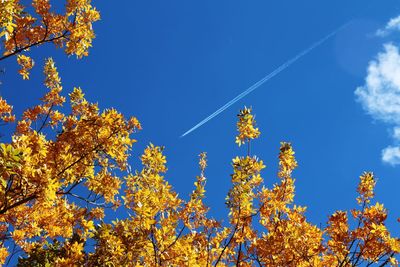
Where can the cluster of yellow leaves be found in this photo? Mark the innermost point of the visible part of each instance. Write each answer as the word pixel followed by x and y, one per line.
pixel 366 188
pixel 26 64
pixel 8 10
pixel 3 254
pixel 162 229
pixel 6 111
pixel 246 127
pixel 22 29
pixel 370 241
pixel 195 210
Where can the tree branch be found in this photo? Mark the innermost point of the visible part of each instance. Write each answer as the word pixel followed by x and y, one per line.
pixel 43 41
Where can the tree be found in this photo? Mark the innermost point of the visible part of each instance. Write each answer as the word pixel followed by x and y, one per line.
pixel 265 227
pixel 52 157
pixel 67 160
pixel 39 177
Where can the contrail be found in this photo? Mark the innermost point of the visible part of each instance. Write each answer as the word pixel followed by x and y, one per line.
pixel 266 78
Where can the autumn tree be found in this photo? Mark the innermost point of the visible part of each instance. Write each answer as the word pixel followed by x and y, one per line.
pixel 67 160
pixel 54 155
pixel 265 227
pixel 51 157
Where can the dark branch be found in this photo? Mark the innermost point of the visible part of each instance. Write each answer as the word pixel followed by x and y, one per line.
pixel 43 41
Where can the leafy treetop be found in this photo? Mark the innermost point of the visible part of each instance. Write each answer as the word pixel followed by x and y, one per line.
pixel 22 29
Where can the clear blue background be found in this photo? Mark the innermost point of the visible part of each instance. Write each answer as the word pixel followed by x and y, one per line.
pixel 172 63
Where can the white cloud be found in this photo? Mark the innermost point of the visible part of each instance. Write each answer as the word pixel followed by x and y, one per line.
pixel 396 133
pixel 380 95
pixel 391 155
pixel 392 25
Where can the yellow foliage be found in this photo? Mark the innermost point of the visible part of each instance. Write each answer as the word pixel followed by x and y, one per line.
pixel 24 27
pixel 52 158
pixel 62 169
pixel 246 127
pixel 26 64
pixel 41 201
pixel 6 111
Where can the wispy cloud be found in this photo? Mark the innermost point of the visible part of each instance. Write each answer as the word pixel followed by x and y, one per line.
pixel 391 26
pixel 396 133
pixel 391 155
pixel 380 95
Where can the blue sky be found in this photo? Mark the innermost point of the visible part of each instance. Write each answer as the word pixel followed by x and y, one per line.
pixel 172 63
